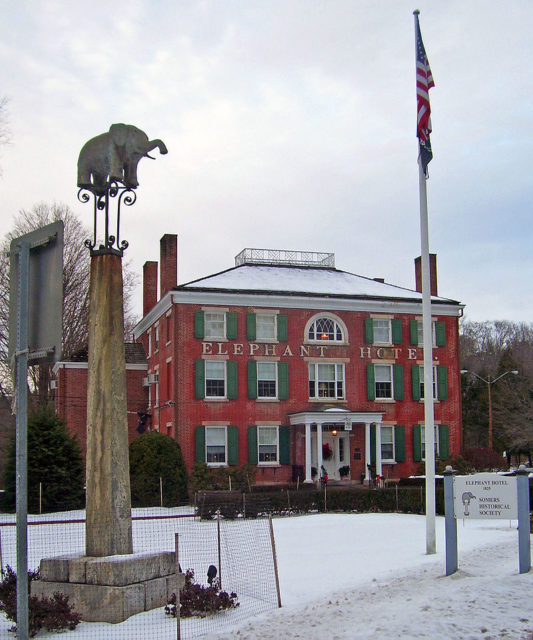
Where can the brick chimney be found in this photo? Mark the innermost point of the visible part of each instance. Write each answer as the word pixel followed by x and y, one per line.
pixel 169 263
pixel 432 273
pixel 149 286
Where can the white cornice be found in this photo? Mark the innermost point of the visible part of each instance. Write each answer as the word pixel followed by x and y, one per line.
pixel 130 366
pixel 154 314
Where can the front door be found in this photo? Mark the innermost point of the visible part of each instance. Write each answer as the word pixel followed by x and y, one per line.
pixel 340 457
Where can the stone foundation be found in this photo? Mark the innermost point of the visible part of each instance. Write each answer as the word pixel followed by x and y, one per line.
pixel 111 588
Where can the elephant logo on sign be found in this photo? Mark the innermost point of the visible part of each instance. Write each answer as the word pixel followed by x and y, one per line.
pixel 113 156
pixel 466 498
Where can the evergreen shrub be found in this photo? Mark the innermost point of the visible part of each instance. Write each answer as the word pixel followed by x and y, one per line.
pixel 153 456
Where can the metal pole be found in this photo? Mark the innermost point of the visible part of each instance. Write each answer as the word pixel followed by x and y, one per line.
pixel 178 617
pixel 275 558
pixel 21 358
pixel 161 490
pixel 450 523
pixel 524 524
pixel 219 552
pixel 489 383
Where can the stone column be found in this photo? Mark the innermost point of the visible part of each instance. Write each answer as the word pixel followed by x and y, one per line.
pixel 368 456
pixel 319 450
pixel 379 466
pixel 308 476
pixel 108 524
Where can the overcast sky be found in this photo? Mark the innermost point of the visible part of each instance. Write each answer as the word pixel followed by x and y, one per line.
pixel 290 124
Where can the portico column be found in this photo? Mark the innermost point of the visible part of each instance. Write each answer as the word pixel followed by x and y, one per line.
pixel 379 468
pixel 367 452
pixel 319 449
pixel 308 476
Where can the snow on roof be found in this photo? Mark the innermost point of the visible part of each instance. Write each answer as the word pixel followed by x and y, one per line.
pixel 301 281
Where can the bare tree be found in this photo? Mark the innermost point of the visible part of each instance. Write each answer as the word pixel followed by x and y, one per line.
pixel 76 263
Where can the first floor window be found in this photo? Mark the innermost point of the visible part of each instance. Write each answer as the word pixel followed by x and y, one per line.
pixel 215 379
pixel 387 443
pixel 215 445
pixel 383 378
pixel 266 379
pixel 326 380
pixel 423 441
pixel 267 444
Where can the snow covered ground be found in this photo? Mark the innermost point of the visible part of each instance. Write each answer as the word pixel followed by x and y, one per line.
pixel 367 576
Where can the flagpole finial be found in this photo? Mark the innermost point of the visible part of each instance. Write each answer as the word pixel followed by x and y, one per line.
pixel 416 12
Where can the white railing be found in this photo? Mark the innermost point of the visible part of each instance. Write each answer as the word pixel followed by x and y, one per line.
pixel 283 257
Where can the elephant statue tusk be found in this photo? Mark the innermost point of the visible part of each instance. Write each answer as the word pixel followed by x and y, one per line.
pixel 147 155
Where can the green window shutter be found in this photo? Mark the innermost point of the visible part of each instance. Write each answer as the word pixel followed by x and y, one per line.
pixel 397 371
pixel 252 379
pixel 440 330
pixel 199 378
pixel 233 446
pixel 396 331
pixel 252 444
pixel 250 326
pixel 200 444
pixel 283 328
pixel 372 444
pixel 283 380
pixel 399 443
pixel 415 381
pixel 413 332
pixel 284 445
pixel 199 331
pixel 442 382
pixel 231 375
pixel 369 331
pixel 231 326
pixel 417 443
pixel 370 382
pixel 444 442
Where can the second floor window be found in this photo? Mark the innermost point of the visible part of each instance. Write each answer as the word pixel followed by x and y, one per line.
pixel 326 380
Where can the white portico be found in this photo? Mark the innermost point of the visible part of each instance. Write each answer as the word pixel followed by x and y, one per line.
pixel 332 427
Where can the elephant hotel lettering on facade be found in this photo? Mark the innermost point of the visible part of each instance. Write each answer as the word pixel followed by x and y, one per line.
pixel 290 364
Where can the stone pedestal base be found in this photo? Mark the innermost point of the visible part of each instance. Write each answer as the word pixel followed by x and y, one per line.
pixel 112 588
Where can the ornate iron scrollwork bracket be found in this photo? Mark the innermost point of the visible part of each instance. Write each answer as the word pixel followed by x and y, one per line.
pixel 101 203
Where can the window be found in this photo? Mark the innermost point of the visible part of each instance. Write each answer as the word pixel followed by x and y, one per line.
pixel 387 443
pixel 156 337
pixel 341 449
pixel 383 380
pixel 326 380
pixel 215 379
pixel 215 326
pixel 267 445
pixel 423 441
pixel 383 331
pixel 325 328
pixel 265 326
pixel 215 445
pixel 149 343
pixel 266 380
pixel 421 369
pixel 438 333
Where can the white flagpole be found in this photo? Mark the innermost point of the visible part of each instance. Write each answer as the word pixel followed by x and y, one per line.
pixel 429 420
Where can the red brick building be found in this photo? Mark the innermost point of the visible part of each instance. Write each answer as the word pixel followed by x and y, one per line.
pixel 290 364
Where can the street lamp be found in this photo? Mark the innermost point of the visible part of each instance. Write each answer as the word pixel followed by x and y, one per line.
pixel 489 383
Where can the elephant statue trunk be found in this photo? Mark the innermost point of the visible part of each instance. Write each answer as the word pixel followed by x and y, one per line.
pixel 114 156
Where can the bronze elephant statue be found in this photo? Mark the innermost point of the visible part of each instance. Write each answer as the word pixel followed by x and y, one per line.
pixel 113 156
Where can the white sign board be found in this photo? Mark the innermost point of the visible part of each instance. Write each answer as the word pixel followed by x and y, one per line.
pixel 485 495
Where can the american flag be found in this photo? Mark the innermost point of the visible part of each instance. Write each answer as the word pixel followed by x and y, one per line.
pixel 424 82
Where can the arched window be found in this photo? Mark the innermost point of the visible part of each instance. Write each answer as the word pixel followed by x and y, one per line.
pixel 326 328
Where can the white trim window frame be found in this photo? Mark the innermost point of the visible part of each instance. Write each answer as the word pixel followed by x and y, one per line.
pixel 214 325
pixel 423 441
pixel 384 381
pixel 266 327
pixel 267 445
pixel 388 445
pixel 215 379
pixel 267 380
pixel 216 446
pixel 326 381
pixel 149 342
pixel 326 328
pixel 435 393
pixel 156 337
pixel 382 328
pixel 420 330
